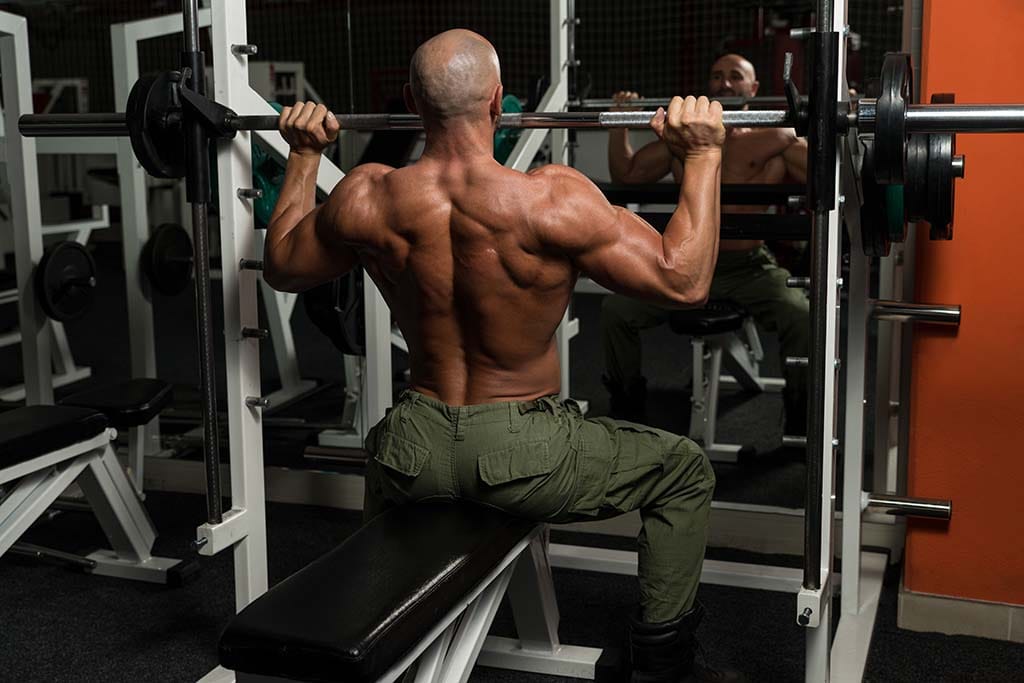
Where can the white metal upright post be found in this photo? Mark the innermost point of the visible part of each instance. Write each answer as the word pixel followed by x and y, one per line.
pixel 242 358
pixel 23 176
pixel 819 630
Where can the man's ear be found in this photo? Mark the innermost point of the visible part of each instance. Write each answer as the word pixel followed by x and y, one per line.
pixel 410 103
pixel 499 94
pixel 753 88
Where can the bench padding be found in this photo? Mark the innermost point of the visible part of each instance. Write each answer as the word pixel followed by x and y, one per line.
pixel 126 404
pixel 717 317
pixel 352 614
pixel 29 432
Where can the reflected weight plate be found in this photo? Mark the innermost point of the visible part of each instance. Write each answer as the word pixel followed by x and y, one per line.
pixel 167 259
pixel 65 281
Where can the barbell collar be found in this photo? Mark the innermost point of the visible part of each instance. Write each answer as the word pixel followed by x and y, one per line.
pixel 958 166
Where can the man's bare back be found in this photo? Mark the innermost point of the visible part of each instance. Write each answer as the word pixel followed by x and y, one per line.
pixel 470 276
pixel 476 261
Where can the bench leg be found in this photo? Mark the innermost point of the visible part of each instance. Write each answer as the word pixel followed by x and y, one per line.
pixel 430 665
pixel 473 627
pixel 698 393
pixel 31 497
pixel 531 593
pixel 137 458
pixel 729 349
pixel 125 523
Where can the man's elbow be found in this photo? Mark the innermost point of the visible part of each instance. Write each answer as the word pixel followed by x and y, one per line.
pixel 688 293
pixel 694 297
pixel 278 277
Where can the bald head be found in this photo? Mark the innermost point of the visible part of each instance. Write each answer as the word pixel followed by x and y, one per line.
pixel 454 74
pixel 732 74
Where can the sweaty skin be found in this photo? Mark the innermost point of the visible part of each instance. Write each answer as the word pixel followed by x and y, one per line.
pixel 750 155
pixel 477 261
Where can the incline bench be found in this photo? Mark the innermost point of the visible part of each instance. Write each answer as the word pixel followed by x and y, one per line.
pixel 389 599
pixel 46 448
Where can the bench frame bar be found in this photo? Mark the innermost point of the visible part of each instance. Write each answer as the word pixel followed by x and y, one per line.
pixel 92 464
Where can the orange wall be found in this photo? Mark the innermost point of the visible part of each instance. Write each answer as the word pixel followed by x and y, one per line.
pixel 967 409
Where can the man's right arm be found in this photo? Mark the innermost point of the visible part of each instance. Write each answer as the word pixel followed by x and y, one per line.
pixel 623 252
pixel 648 165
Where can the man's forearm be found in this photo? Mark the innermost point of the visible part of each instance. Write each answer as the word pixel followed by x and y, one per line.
pixel 691 236
pixel 620 154
pixel 297 197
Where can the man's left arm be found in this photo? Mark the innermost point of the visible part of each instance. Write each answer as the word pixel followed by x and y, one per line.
pixel 795 157
pixel 304 245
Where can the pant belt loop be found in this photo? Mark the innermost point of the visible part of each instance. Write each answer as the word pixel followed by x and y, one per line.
pixel 460 423
pixel 514 416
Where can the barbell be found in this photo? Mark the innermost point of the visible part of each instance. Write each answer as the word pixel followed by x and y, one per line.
pixel 912 141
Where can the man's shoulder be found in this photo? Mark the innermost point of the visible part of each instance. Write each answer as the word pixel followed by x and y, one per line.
pixel 362 180
pixel 368 173
pixel 556 173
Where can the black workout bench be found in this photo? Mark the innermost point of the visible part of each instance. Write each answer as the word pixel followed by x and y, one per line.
pixel 389 600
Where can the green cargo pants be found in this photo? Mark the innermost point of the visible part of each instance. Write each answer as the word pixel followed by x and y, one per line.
pixel 542 460
pixel 751 279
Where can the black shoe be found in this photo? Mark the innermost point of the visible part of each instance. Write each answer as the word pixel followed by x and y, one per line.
pixel 666 652
pixel 627 402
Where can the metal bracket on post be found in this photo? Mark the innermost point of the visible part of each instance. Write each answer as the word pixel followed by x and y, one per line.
pixel 809 602
pixel 213 538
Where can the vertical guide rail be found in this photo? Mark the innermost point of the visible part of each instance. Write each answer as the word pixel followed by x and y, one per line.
pixel 197 189
pixel 560 67
pixel 242 356
pixel 23 176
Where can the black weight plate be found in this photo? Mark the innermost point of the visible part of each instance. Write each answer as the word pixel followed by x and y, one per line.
pixel 940 185
pixel 915 188
pixel 158 144
pixel 944 204
pixel 65 281
pixel 167 259
pixel 891 122
pixel 873 211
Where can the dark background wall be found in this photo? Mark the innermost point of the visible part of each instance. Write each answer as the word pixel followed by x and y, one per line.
pixel 656 47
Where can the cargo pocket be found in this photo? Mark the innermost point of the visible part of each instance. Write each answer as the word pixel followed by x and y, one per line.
pixel 401 462
pixel 519 479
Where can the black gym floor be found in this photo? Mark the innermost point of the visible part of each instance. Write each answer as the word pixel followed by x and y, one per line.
pixel 60 625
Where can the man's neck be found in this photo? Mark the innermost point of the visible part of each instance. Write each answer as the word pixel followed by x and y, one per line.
pixel 460 138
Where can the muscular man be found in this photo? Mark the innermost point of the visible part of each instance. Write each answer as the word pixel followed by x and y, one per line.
pixel 747 273
pixel 477 263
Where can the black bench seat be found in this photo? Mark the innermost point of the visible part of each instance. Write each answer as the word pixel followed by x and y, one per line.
pixel 355 612
pixel 26 433
pixel 126 404
pixel 717 317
